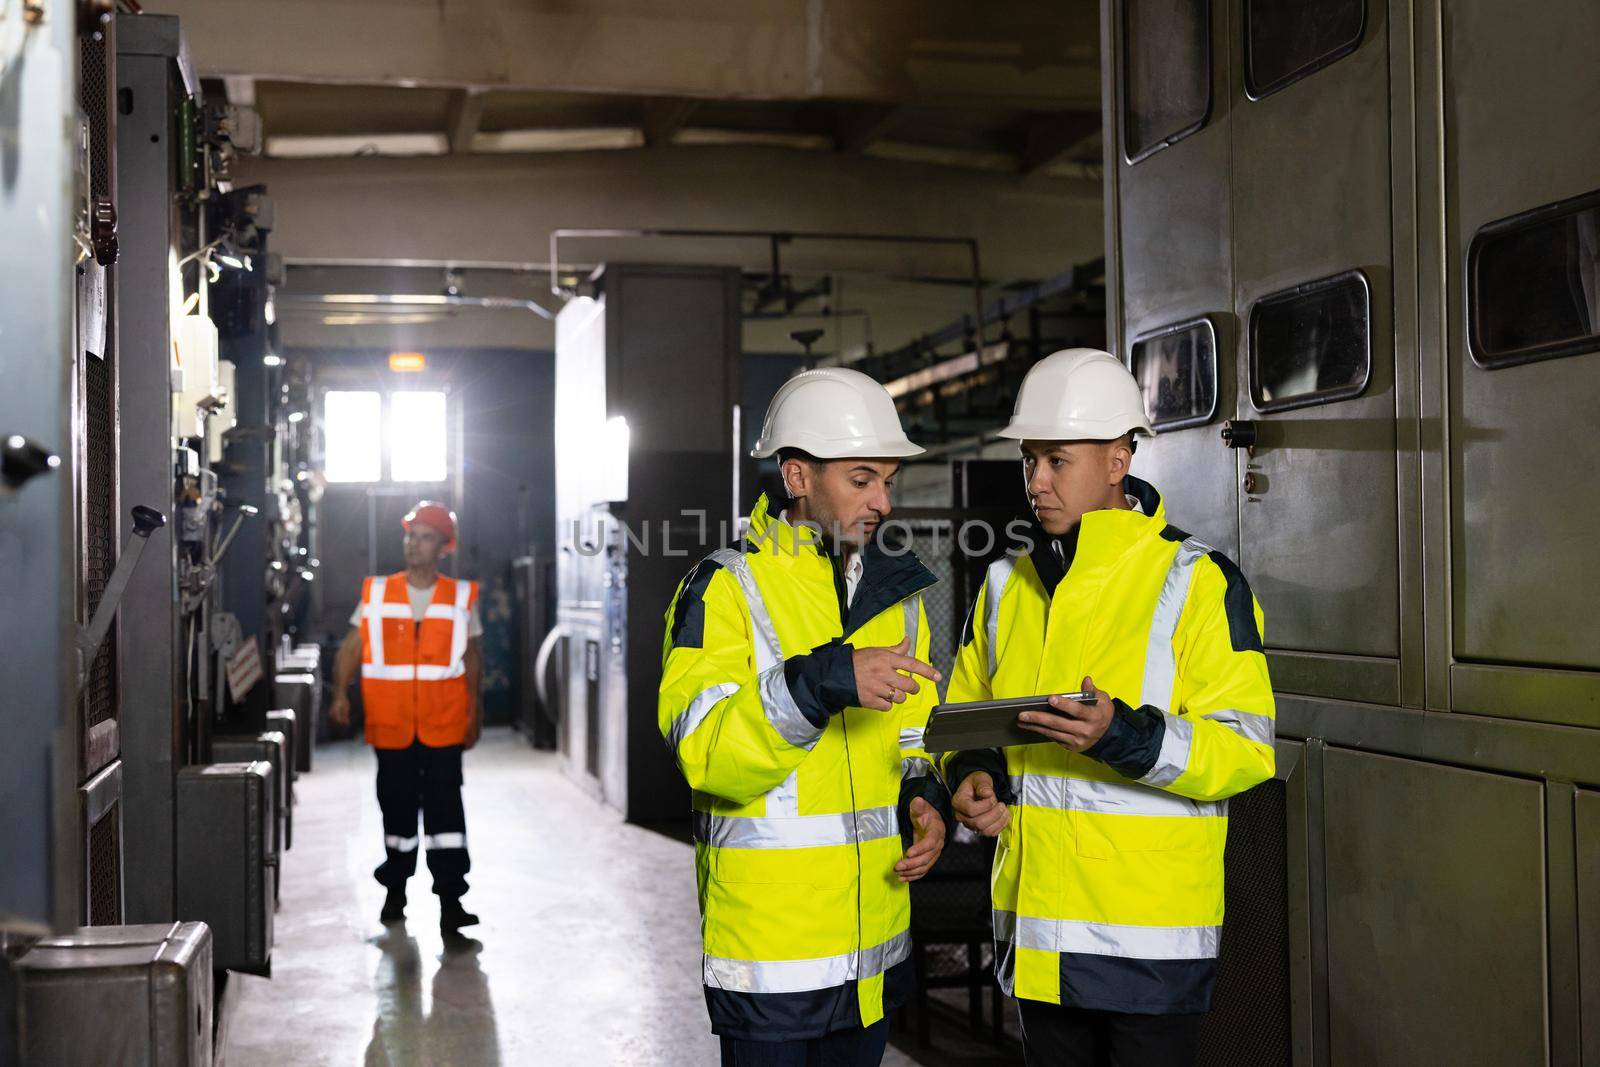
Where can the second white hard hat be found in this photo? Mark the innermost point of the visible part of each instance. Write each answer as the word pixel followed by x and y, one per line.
pixel 1078 394
pixel 834 413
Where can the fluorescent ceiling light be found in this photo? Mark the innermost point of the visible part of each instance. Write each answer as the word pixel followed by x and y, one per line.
pixel 322 146
pixel 575 139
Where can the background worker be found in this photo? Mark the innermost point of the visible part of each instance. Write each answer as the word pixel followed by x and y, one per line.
pixel 794 692
pixel 1108 879
pixel 415 636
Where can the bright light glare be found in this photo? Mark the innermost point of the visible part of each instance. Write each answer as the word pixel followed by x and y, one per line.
pixel 417 436
pixel 352 423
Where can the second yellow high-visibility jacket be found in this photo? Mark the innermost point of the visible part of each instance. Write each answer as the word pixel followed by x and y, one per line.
pixel 800 797
pixel 1107 883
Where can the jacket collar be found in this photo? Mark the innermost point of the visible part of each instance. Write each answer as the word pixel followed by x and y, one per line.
pixel 890 573
pixel 1100 538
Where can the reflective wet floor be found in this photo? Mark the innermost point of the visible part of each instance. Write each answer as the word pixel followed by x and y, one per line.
pixel 588 952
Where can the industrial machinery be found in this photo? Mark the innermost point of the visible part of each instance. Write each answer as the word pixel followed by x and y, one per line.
pixel 115 430
pixel 1355 274
pixel 647 387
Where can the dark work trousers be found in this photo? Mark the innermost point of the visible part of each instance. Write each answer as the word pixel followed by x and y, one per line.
pixel 843 1048
pixel 429 779
pixel 1056 1036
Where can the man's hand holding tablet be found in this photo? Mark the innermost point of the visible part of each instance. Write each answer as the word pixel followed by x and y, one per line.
pixel 1073 722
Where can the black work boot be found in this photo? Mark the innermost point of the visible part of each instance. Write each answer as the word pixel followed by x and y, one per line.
pixel 394 906
pixel 452 916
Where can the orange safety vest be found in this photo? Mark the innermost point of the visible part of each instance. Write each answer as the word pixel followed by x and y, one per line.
pixel 414 674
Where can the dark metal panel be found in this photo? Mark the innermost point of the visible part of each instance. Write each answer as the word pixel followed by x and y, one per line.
pixel 149 731
pixel 1587 824
pixel 1567 697
pixel 1517 89
pixel 1310 182
pixel 1175 263
pixel 1562 921
pixel 1369 680
pixel 37 835
pixel 1436 913
pixel 1534 750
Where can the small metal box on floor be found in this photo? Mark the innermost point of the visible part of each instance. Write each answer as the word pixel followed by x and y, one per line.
pixel 273 747
pixel 225 873
pixel 298 690
pixel 286 722
pixel 137 996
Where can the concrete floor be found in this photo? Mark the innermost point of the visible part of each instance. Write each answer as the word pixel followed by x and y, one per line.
pixel 588 952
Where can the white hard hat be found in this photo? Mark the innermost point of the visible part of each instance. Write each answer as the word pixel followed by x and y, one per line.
pixel 1078 394
pixel 834 413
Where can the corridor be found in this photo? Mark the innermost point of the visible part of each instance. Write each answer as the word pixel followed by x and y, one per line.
pixel 588 951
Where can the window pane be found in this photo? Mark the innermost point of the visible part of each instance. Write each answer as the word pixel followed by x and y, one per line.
pixel 352 424
pixel 1536 284
pixel 1311 344
pixel 1167 61
pixel 1288 39
pixel 1177 370
pixel 417 435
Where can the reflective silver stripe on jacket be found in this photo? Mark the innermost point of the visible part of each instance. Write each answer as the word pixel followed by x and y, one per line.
pixel 913 613
pixel 911 736
pixel 915 767
pixel 689 719
pixel 782 711
pixel 1108 939
pixel 1173 759
pixel 799 976
pixel 1106 798
pixel 795 831
pixel 1250 725
pixel 1160 663
pixel 375 624
pixel 995 585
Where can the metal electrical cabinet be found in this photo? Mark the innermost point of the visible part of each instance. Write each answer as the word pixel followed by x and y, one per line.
pixel 647 386
pixel 153 77
pixel 1382 217
pixel 225 860
pixel 137 996
pixel 39 209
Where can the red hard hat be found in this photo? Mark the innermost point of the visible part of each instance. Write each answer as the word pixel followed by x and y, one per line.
pixel 435 516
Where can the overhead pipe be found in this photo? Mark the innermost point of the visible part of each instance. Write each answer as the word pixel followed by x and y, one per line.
pixel 777 238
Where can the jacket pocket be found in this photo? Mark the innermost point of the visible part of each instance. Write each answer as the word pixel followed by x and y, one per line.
pixel 1102 836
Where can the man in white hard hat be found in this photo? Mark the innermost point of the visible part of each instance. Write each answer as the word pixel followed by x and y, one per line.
pixel 795 688
pixel 1107 887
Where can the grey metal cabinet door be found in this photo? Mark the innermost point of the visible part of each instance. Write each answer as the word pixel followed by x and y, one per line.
pixel 1312 270
pixel 1523 299
pixel 1174 238
pixel 37 211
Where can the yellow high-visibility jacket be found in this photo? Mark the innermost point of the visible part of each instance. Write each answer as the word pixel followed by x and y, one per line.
pixel 800 798
pixel 1107 883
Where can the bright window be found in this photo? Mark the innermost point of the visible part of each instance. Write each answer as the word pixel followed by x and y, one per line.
pixel 417 436
pixel 353 426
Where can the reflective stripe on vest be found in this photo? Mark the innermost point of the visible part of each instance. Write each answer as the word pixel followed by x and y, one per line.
pixel 798 976
pixel 999 575
pixel 795 831
pixel 1108 939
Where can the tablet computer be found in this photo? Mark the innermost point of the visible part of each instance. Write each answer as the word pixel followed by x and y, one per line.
pixel 988 723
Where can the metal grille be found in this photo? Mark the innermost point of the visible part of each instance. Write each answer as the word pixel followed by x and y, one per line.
pixel 99 527
pixel 93 86
pixel 105 869
pixel 1249 1023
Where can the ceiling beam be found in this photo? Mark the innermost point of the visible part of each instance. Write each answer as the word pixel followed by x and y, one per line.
pixel 858 125
pixel 1052 136
pixel 466 112
pixel 1040 54
pixel 661 119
